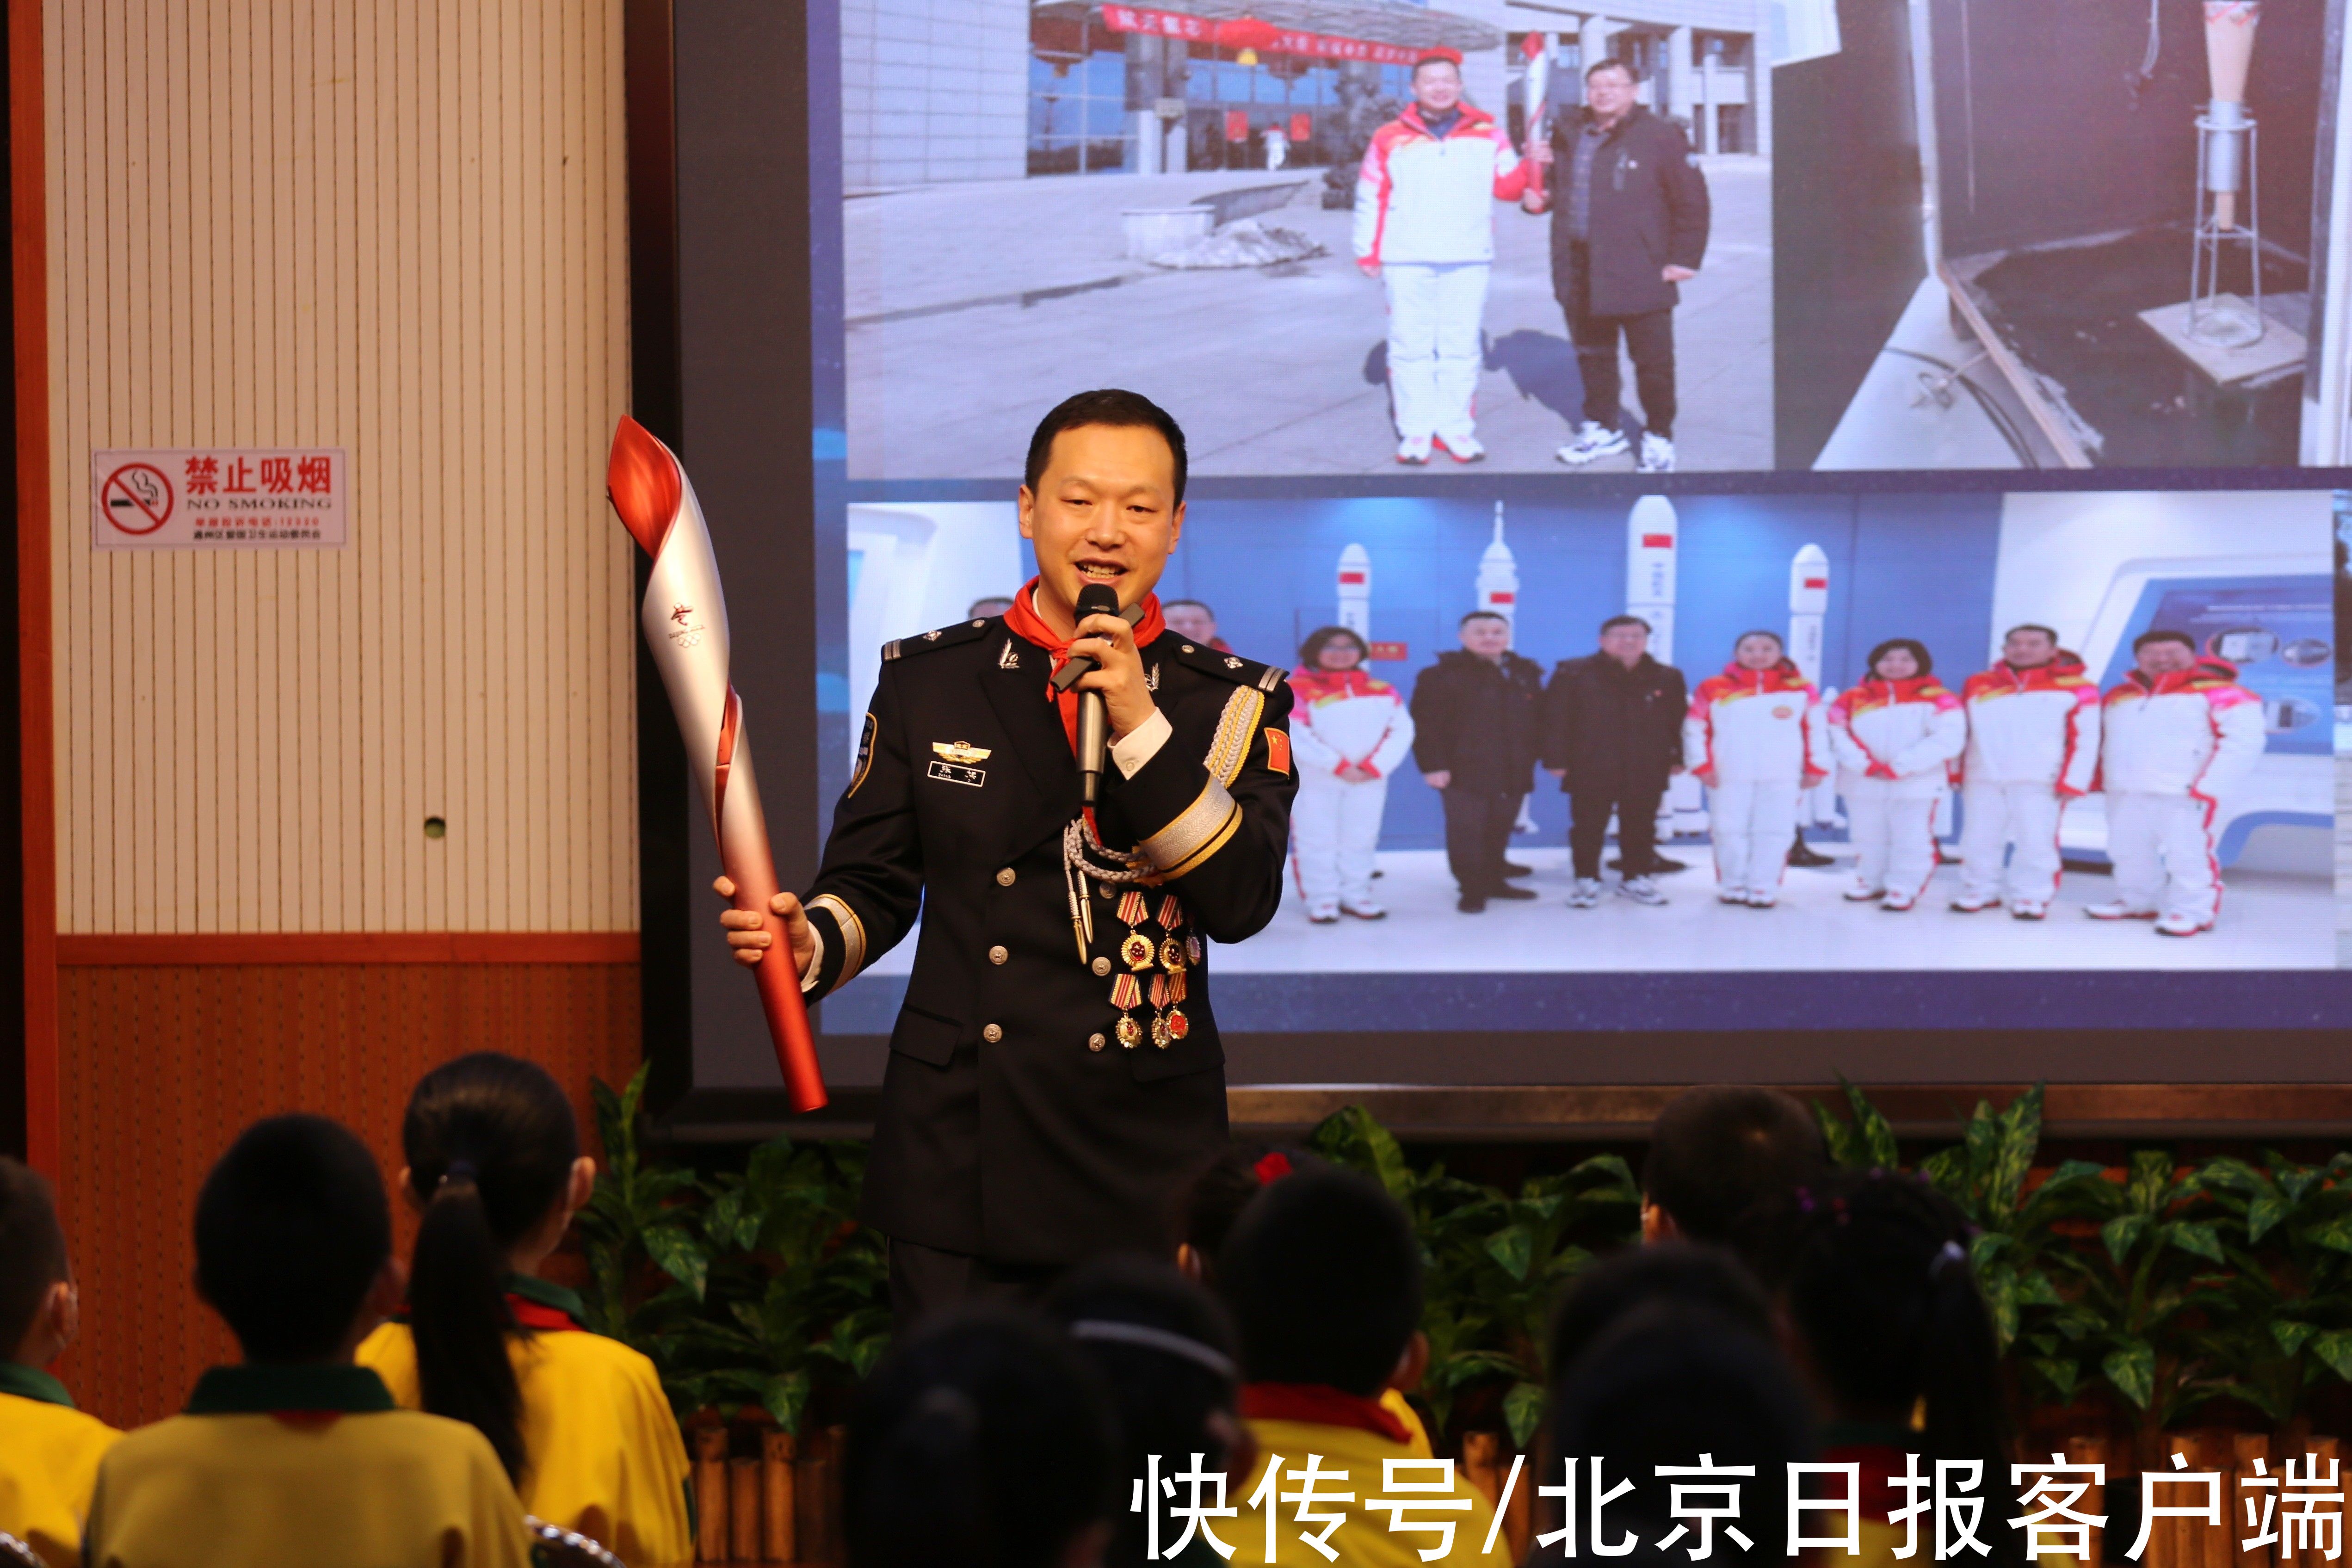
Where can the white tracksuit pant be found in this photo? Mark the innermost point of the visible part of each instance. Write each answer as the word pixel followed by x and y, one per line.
pixel 2001 815
pixel 1893 834
pixel 1435 312
pixel 1337 827
pixel 2162 846
pixel 1752 822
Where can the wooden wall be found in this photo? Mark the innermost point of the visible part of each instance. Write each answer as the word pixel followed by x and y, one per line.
pixel 400 229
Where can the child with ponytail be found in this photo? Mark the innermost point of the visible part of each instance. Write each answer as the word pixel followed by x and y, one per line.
pixel 1899 1345
pixel 579 1421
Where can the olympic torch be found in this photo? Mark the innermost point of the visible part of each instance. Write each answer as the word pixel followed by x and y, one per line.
pixel 2229 49
pixel 684 621
pixel 1537 91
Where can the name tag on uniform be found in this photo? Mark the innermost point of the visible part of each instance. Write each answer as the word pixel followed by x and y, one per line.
pixel 956 772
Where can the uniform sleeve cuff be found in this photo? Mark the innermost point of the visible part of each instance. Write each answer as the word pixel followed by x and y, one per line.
pixel 840 945
pixel 816 973
pixel 1139 746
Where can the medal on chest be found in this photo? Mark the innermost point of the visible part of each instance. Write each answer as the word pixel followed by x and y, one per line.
pixel 1164 961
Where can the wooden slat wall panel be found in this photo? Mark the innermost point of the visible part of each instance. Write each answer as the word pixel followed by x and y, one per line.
pixel 398 229
pixel 163 1066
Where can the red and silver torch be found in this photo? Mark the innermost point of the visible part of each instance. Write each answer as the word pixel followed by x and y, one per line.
pixel 684 621
pixel 1536 92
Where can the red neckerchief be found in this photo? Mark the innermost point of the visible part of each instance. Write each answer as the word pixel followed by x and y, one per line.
pixel 1023 621
pixel 528 1314
pixel 1879 1465
pixel 1321 1405
pixel 1325 684
pixel 2205 673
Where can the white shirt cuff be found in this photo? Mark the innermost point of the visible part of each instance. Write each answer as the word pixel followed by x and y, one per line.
pixel 816 961
pixel 1139 746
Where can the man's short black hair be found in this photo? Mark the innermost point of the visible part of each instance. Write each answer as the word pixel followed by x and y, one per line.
pixel 291 1231
pixel 1104 406
pixel 1596 67
pixel 1483 616
pixel 1727 1152
pixel 1323 1275
pixel 1196 603
pixel 2031 627
pixel 2164 635
pixel 32 1251
pixel 1614 622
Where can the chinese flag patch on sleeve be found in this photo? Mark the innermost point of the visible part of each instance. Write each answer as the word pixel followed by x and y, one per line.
pixel 1277 750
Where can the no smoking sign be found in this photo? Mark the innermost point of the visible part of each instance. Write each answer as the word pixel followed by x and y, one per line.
pixel 219 498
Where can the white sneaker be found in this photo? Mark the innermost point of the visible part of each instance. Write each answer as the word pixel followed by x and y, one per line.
pixel 2027 909
pixel 1593 442
pixel 1973 903
pixel 1657 455
pixel 2117 909
pixel 1761 899
pixel 2181 925
pixel 1413 449
pixel 1367 910
pixel 1641 890
pixel 1324 915
pixel 1863 892
pixel 1731 895
pixel 1586 894
pixel 1464 448
pixel 1896 903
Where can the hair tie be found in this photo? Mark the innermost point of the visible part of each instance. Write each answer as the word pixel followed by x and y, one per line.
pixel 1948 1255
pixel 1150 1338
pixel 1271 1167
pixel 458 1170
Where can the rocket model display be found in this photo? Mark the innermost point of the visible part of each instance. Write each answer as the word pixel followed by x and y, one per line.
pixel 685 622
pixel 1809 604
pixel 2229 50
pixel 1499 578
pixel 1356 591
pixel 1650 535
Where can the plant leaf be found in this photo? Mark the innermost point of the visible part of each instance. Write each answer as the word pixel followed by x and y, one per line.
pixel 2060 1374
pixel 677 1253
pixel 2131 1367
pixel 2290 1336
pixel 2335 1349
pixel 2197 1237
pixel 1523 1409
pixel 1512 1248
pixel 2121 1234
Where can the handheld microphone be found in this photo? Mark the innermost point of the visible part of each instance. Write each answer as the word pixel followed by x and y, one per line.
pixel 1094 717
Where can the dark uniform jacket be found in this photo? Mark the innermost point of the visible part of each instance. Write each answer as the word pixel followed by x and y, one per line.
pixel 1614 727
pixel 1014 1126
pixel 1649 212
pixel 1476 720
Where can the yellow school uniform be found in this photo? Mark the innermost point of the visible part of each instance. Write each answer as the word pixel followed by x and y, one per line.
pixel 48 1462
pixel 1398 1405
pixel 1352 1458
pixel 302 1466
pixel 602 1450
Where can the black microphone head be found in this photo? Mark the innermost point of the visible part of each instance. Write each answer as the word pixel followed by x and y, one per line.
pixel 1097 599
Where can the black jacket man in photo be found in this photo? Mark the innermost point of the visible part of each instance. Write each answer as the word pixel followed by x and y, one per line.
pixel 1055 1070
pixel 1612 735
pixel 1473 739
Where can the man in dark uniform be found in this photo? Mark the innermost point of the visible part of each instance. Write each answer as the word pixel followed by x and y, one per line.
pixel 1474 739
pixel 1612 735
pixel 1056 1070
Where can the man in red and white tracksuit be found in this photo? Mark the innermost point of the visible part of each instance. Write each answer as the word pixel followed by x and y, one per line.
pixel 1349 731
pixel 2033 746
pixel 2176 735
pixel 1752 737
pixel 1426 226
pixel 1895 734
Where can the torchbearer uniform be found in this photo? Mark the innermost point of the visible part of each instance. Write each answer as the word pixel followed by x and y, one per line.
pixel 1894 742
pixel 1347 717
pixel 2033 746
pixel 303 1464
pixel 1057 1067
pixel 48 1462
pixel 1755 734
pixel 2170 746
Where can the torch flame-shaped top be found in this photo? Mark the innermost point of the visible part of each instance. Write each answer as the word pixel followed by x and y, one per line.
pixel 643 483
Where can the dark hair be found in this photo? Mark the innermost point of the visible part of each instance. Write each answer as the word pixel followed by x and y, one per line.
pixel 1104 406
pixel 1673 1381
pixel 2031 627
pixel 1778 641
pixel 1632 74
pixel 1723 1155
pixel 2164 635
pixel 1917 648
pixel 1614 622
pixel 292 1230
pixel 1692 1273
pixel 1164 1376
pixel 1323 1276
pixel 1197 603
pixel 984 1439
pixel 1324 637
pixel 1880 1289
pixel 491 1141
pixel 1213 1199
pixel 976 613
pixel 1484 615
pixel 32 1251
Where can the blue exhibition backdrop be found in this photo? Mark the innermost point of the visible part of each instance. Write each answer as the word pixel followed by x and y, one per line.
pixel 1900 565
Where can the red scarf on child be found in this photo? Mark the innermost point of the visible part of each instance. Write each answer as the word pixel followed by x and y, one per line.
pixel 1320 1404
pixel 1023 621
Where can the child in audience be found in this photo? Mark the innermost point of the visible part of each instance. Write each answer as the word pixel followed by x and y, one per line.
pixel 1215 1199
pixel 1692 1274
pixel 985 1441
pixel 1166 1352
pixel 579 1421
pixel 298 1456
pixel 1323 1276
pixel 1899 1345
pixel 48 1450
pixel 1722 1163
